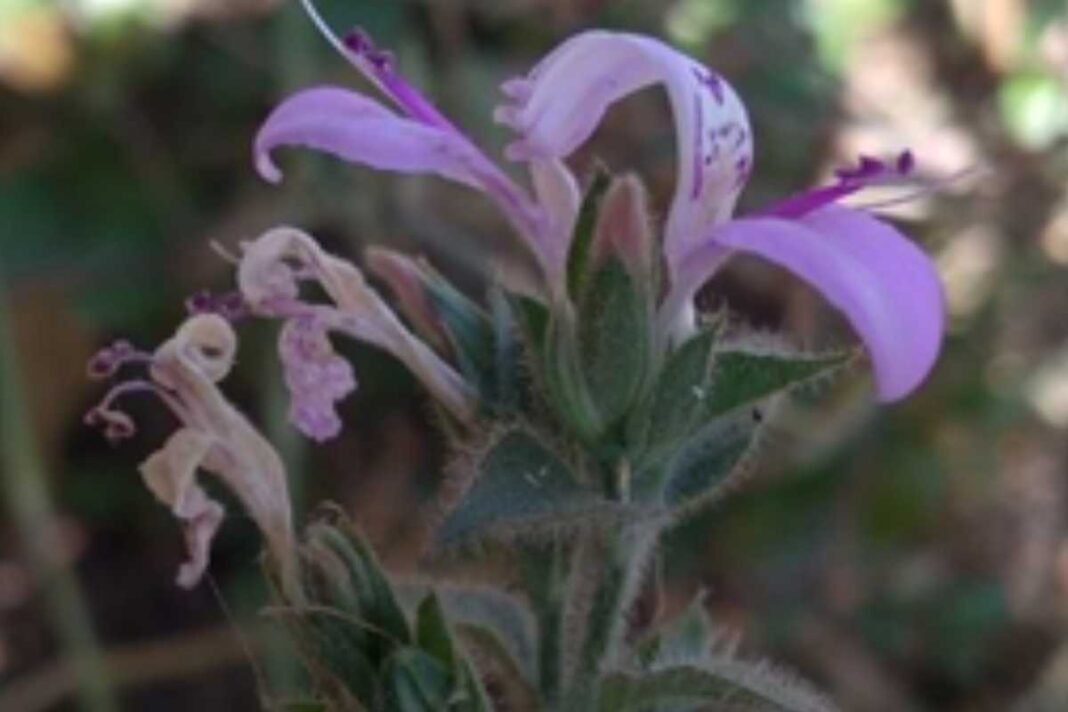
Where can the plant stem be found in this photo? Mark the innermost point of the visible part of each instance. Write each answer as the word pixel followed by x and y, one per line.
pixel 31 508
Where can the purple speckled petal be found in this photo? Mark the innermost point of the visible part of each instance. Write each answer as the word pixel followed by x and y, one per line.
pixel 885 286
pixel 563 99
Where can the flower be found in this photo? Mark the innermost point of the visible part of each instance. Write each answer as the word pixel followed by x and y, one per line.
pixel 270 273
pixel 886 287
pixel 184 373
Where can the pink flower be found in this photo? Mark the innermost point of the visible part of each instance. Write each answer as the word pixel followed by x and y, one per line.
pixel 885 286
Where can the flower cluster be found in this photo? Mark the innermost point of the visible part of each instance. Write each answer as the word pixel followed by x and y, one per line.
pixel 881 282
pixel 874 275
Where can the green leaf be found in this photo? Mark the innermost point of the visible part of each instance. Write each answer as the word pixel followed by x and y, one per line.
pixel 521 487
pixel 742 377
pixel 432 631
pixel 507 355
pixel 533 318
pixel 568 391
pixel 582 237
pixel 729 681
pixel 497 666
pixel 413 681
pixel 687 638
pixel 470 331
pixel 498 611
pixel 615 339
pixel 708 459
pixel 376 601
pixel 676 402
pixel 335 648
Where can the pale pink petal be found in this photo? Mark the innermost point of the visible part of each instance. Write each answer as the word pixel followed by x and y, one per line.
pixel 559 196
pixel 204 518
pixel 170 474
pixel 316 377
pixel 567 94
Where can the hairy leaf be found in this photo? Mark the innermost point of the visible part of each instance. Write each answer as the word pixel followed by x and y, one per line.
pixel 565 378
pixel 676 402
pixel 728 681
pixel 432 633
pixel 522 488
pixel 507 356
pixel 582 238
pixel 414 681
pixel 377 602
pixel 469 329
pixel 615 339
pixel 499 671
pixel 500 612
pixel 742 377
pixel 707 459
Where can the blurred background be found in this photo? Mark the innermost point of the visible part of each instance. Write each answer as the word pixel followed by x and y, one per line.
pixel 912 557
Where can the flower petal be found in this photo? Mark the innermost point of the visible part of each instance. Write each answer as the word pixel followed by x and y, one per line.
pixel 559 197
pixel 170 474
pixel 315 376
pixel 359 129
pixel 884 285
pixel 564 98
pixel 268 283
pixel 189 364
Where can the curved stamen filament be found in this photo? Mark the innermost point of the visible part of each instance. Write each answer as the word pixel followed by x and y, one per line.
pixel 109 414
pixel 108 360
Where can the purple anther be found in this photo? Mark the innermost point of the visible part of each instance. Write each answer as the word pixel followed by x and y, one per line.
pixel 906 162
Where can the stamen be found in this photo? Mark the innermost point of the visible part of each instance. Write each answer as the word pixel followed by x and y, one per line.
pixel 117 424
pixel 378 66
pixel 324 29
pixel 225 252
pixel 358 48
pixel 108 360
pixel 229 305
pixel 923 189
pixel 866 173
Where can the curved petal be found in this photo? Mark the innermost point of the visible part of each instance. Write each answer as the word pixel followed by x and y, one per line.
pixel 559 196
pixel 884 285
pixel 268 280
pixel 559 104
pixel 358 129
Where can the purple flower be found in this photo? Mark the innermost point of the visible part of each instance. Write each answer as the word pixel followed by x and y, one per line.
pixel 316 377
pixel 270 274
pixel 885 286
pixel 184 373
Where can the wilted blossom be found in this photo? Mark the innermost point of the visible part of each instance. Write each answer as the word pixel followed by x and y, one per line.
pixel 212 436
pixel 270 274
pixel 883 284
